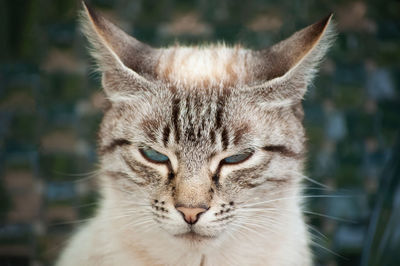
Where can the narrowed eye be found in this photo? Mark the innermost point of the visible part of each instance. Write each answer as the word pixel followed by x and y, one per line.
pixel 153 155
pixel 237 158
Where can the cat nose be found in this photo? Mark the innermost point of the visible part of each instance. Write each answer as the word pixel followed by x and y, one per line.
pixel 191 215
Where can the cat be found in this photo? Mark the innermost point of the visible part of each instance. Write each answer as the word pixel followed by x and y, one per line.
pixel 201 152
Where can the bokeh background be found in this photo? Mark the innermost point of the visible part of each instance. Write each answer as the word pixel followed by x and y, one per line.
pixel 51 105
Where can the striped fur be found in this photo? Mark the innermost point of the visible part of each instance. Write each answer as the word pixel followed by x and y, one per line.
pixel 198 106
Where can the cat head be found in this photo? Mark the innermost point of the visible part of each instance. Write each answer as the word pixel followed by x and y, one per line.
pixel 196 136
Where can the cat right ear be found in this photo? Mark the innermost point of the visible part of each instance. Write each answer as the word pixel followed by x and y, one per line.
pixel 126 63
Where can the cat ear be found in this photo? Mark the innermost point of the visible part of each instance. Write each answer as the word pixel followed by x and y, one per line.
pixel 284 70
pixel 124 61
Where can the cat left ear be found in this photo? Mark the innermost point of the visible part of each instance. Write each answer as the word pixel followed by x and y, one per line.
pixel 120 57
pixel 284 70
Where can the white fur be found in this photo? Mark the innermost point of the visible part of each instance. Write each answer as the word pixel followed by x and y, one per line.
pixel 267 227
pixel 191 66
pixel 101 242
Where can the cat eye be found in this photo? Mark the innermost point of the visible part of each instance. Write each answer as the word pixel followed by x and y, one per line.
pixel 153 155
pixel 237 158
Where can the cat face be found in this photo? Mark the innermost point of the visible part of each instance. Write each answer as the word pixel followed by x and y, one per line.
pixel 200 140
pixel 178 147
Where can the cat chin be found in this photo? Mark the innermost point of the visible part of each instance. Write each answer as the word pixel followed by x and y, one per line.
pixel 195 237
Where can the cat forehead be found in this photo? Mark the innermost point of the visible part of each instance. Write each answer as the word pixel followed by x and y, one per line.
pixel 208 66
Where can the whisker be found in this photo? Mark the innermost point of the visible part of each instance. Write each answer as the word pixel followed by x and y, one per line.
pixel 330 217
pixel 317 231
pixel 70 222
pixel 282 211
pixel 327 249
pixel 245 227
pixel 136 223
pixel 286 191
pixel 126 191
pixel 86 205
pixel 297 198
pixel 91 173
pixel 266 226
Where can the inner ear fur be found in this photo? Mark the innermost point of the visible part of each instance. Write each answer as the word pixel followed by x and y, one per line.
pixel 126 63
pixel 103 34
pixel 284 70
pixel 279 59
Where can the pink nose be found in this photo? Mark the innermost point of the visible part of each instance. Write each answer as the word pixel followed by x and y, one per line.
pixel 191 215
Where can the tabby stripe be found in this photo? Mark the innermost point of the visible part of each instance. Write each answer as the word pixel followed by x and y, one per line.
pixel 118 175
pixel 199 133
pixel 166 133
pixel 244 177
pixel 239 133
pixel 139 169
pixel 134 165
pixel 282 150
pixel 215 177
pixel 212 137
pixel 114 143
pixel 190 133
pixel 175 118
pixel 190 130
pixel 149 127
pixel 218 113
pixel 224 139
pixel 171 174
pixel 203 125
pixel 248 184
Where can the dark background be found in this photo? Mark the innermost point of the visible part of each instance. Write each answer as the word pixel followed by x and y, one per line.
pixel 51 105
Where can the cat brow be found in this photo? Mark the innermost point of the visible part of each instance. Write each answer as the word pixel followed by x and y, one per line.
pixel 283 150
pixel 114 143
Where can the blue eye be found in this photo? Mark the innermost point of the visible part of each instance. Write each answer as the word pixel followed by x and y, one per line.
pixel 153 155
pixel 237 158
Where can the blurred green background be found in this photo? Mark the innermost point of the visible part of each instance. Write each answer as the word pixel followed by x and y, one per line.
pixel 51 105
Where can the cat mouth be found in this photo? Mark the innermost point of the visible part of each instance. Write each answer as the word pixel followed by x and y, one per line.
pixel 193 236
